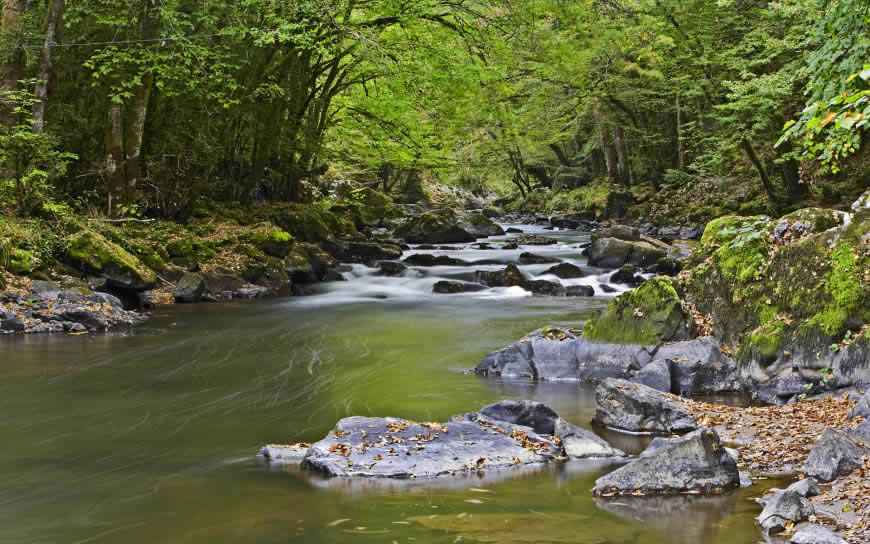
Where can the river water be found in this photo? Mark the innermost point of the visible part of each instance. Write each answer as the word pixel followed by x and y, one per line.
pixel 151 436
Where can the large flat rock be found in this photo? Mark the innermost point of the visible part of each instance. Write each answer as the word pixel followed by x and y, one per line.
pixel 505 434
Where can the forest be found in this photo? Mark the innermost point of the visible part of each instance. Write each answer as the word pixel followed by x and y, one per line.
pixel 138 108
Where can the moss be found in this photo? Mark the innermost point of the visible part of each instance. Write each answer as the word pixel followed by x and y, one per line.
pixel 648 315
pixel 22 261
pixel 94 252
pixel 764 344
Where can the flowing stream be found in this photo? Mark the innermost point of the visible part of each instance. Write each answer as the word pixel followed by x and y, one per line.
pixel 151 436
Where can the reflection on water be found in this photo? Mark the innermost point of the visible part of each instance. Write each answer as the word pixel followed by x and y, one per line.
pixel 151 436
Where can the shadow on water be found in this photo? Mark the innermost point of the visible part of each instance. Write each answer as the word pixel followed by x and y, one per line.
pixel 151 436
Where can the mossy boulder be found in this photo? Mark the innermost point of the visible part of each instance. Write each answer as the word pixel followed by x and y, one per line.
pixel 189 288
pixel 788 293
pixel 447 226
pixel 311 223
pixel 374 206
pixel 22 261
pixel 614 253
pixel 271 274
pixel 274 242
pixel 648 315
pixel 95 254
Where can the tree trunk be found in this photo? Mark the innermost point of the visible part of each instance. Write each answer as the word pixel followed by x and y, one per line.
pixel 791 178
pixel 139 111
pixel 11 21
pixel 114 154
pixel 621 155
pixel 609 151
pixel 765 180
pixel 557 149
pixel 681 157
pixel 53 33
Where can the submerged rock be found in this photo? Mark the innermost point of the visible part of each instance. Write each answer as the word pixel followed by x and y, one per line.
pixel 696 462
pixel 579 291
pixel 627 406
pixel 535 240
pixel 500 435
pixel 834 455
pixel 815 534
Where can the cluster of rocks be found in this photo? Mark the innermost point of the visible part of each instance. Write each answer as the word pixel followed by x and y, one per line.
pixel 501 435
pixel 48 308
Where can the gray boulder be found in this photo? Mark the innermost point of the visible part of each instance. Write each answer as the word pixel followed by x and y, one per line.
pixel 698 367
pixel 633 407
pixel 656 375
pixel 533 258
pixel 620 232
pixel 696 462
pixel 815 534
pixel 577 359
pixel 861 433
pixel 834 455
pixel 784 507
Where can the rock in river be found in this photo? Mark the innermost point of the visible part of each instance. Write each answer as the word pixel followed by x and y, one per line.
pixel 784 508
pixel 500 435
pixel 696 462
pixel 634 407
pixel 446 227
pixel 815 534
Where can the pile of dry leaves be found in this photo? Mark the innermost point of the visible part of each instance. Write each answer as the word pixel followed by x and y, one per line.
pixel 777 439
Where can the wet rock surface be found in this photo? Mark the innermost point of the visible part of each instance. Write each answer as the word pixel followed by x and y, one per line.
pixel 500 435
pixel 815 534
pixel 784 508
pixel 696 462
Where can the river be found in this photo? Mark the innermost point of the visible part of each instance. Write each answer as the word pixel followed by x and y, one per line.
pixel 151 436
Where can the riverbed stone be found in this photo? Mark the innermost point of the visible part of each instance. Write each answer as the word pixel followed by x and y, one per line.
pixel 533 258
pixel 543 287
pixel 696 462
pixel 446 287
pixel 579 291
pixel 424 259
pixel 699 367
pixel 535 240
pixel 566 271
pixel 633 407
pixel 834 455
pixel 511 275
pixel 391 268
pixel 783 508
pixel 815 534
